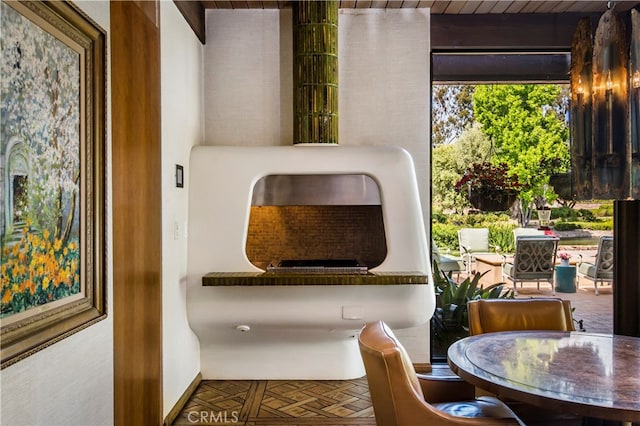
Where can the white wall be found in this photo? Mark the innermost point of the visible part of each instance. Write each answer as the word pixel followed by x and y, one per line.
pixel 384 83
pixel 182 128
pixel 384 88
pixel 385 98
pixel 70 382
pixel 248 83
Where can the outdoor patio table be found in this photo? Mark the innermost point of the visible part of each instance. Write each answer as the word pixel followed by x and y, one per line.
pixel 592 375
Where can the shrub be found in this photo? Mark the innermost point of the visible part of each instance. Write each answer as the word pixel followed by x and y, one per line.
pixel 445 235
pixel 438 217
pixel 501 235
pixel 567 226
pixel 563 213
pixel 605 225
pixel 604 210
pixel 587 215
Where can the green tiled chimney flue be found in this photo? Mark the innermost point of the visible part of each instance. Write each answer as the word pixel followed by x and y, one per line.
pixel 315 72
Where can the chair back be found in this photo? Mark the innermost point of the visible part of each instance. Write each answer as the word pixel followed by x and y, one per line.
pixel 535 257
pixel 604 258
pixel 522 232
pixel 473 240
pixel 393 385
pixel 396 392
pixel 492 315
pixel 435 252
pixel 445 263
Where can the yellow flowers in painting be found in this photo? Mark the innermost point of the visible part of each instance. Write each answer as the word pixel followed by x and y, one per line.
pixel 36 270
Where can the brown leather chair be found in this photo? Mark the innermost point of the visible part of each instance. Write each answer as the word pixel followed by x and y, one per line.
pixel 491 315
pixel 398 393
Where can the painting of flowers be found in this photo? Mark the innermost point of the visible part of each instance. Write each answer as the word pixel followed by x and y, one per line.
pixel 51 142
pixel 41 145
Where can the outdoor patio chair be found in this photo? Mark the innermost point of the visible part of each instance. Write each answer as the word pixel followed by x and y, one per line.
pixel 474 241
pixel 602 270
pixel 445 263
pixel 534 260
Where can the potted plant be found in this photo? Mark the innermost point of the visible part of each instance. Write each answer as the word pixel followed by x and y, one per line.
pixel 489 187
pixel 564 258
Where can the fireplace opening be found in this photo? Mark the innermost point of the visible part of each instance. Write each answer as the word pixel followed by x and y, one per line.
pixel 316 220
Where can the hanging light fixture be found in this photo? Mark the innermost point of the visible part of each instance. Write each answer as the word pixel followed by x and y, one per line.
pixel 600 125
pixel 581 107
pixel 610 106
pixel 634 105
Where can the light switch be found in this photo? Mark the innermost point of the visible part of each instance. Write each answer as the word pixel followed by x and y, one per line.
pixel 352 312
pixel 176 230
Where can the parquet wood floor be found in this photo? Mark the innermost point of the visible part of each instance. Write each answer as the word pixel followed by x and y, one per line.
pixel 279 403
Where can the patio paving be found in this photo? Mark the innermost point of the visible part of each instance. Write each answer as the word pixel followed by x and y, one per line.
pixel 596 312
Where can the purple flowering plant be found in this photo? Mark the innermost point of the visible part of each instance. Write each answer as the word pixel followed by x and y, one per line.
pixel 488 178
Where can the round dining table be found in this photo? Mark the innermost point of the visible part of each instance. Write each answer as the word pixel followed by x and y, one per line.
pixel 591 375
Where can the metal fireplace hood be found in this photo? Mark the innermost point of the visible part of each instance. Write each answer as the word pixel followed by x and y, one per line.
pixel 316 189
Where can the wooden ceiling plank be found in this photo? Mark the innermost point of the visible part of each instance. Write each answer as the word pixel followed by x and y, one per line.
pixel 531 6
pixel 223 4
pixel 270 5
pixel 563 6
pixel 410 4
pixel 444 6
pixel 454 7
pixel 439 7
pixel 501 6
pixel 378 4
pixel 363 4
pixel 546 7
pixel 241 5
pixel 515 7
pixel 470 6
pixel 209 4
pixel 347 4
pixel 486 6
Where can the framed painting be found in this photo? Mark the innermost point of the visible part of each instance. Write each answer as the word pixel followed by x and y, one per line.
pixel 52 230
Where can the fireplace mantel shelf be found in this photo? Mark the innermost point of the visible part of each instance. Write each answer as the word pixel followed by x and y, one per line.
pixel 245 279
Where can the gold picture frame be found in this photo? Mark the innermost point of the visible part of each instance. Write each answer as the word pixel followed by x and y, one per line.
pixel 52 185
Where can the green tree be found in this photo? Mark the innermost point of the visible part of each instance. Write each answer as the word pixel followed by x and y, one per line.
pixel 452 112
pixel 526 124
pixel 449 163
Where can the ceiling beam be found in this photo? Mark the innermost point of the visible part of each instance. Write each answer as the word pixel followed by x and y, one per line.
pixel 499 67
pixel 533 31
pixel 193 12
pixel 529 31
